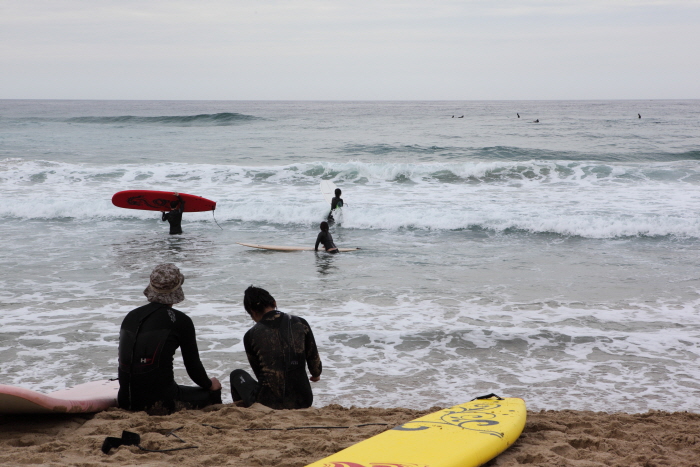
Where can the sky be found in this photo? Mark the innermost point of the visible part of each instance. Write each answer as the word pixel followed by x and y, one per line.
pixel 349 49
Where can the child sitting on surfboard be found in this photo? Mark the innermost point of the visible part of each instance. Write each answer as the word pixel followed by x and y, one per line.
pixel 325 237
pixel 174 217
pixel 336 202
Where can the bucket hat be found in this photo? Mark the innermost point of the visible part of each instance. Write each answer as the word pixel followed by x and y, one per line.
pixel 166 285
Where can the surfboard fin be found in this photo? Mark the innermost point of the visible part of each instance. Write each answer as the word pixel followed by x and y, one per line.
pixel 487 396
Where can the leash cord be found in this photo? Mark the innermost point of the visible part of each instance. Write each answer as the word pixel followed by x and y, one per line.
pixel 212 215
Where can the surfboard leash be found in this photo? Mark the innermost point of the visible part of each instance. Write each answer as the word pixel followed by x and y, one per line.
pixel 134 439
pixel 212 215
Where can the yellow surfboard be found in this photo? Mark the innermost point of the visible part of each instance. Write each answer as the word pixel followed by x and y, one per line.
pixel 466 435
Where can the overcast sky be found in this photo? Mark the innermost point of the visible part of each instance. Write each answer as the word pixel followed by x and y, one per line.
pixel 349 49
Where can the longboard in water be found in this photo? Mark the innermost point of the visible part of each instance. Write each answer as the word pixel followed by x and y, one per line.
pixel 84 398
pixel 289 248
pixel 466 435
pixel 149 200
pixel 328 190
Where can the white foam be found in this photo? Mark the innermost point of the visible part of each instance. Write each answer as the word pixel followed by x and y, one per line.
pixel 530 197
pixel 414 353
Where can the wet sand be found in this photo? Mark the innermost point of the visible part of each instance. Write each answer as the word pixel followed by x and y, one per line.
pixel 222 435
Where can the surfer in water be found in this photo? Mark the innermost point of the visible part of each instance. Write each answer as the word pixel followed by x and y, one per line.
pixel 278 346
pixel 148 339
pixel 336 202
pixel 174 217
pixel 324 236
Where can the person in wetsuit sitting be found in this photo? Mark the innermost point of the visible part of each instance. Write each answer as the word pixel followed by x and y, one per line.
pixel 336 202
pixel 174 217
pixel 277 346
pixel 324 236
pixel 148 339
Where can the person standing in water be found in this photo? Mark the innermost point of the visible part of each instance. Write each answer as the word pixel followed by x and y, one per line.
pixel 324 237
pixel 174 217
pixel 336 202
pixel 278 346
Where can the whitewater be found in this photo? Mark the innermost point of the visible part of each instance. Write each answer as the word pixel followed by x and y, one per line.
pixel 553 261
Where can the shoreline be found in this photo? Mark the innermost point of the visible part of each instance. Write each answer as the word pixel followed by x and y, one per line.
pixel 229 435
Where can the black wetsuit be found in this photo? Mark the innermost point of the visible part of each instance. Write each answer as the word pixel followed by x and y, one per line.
pixel 277 348
pixel 335 203
pixel 148 339
pixel 174 217
pixel 325 238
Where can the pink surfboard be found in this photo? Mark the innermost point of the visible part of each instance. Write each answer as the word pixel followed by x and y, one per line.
pixel 84 398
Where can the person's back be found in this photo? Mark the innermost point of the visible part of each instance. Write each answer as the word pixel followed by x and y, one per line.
pixel 279 347
pixel 325 238
pixel 174 217
pixel 148 339
pixel 336 202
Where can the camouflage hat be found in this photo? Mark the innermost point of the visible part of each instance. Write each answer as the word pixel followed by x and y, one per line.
pixel 166 285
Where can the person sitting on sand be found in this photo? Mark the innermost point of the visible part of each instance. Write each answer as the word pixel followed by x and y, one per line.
pixel 336 202
pixel 148 339
pixel 277 347
pixel 174 217
pixel 325 237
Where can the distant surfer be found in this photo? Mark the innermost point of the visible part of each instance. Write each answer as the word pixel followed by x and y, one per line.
pixel 336 202
pixel 537 121
pixel 326 239
pixel 518 115
pixel 148 339
pixel 639 115
pixel 461 116
pixel 279 348
pixel 174 217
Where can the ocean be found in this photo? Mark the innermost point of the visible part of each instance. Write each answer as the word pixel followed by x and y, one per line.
pixel 554 261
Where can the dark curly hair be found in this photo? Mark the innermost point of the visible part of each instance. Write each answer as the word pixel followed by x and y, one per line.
pixel 256 300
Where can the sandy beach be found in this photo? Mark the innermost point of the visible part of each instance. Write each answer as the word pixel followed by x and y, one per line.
pixel 258 436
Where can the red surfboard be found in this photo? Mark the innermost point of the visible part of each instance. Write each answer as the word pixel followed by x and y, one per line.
pixel 149 200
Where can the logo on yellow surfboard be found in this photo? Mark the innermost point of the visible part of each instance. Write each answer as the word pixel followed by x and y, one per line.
pixel 476 417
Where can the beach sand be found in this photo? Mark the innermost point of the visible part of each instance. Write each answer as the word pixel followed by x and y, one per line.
pixel 550 438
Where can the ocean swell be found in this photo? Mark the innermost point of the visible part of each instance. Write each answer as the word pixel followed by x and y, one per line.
pixel 217 119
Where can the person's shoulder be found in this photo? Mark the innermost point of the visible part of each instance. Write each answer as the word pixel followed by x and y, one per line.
pixel 141 309
pixel 180 316
pixel 256 328
pixel 298 319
